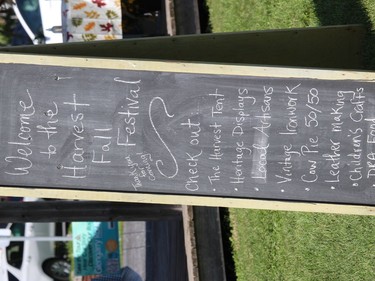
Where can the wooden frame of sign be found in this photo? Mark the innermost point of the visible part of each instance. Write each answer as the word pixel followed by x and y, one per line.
pixel 187 133
pixel 321 47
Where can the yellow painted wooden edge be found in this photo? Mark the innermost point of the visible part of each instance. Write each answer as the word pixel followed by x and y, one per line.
pixel 187 67
pixel 187 200
pixel 183 67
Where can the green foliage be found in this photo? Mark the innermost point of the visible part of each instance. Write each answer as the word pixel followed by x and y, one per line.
pixel 5 31
pixel 3 39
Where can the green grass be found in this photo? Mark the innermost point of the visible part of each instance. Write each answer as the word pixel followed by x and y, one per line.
pixel 227 16
pixel 270 245
pixel 239 15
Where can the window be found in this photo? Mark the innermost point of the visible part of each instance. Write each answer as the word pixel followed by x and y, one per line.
pixel 11 277
pixel 14 251
pixel 14 254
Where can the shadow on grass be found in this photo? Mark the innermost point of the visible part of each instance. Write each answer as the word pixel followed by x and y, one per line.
pixel 342 12
pixel 226 230
pixel 337 12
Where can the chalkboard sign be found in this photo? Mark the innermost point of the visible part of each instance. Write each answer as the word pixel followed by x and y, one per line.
pixel 187 129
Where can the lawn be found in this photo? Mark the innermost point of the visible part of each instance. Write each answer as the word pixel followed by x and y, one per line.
pixel 239 15
pixel 270 245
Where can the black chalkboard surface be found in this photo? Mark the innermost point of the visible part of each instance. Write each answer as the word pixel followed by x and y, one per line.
pixel 189 131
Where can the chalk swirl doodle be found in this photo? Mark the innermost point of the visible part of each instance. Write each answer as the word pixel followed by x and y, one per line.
pixel 159 163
